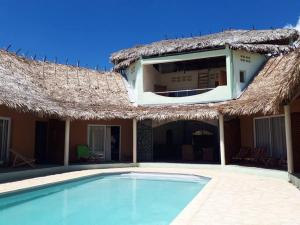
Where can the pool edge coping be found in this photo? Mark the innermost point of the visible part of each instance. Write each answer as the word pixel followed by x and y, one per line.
pixel 185 216
pixel 88 176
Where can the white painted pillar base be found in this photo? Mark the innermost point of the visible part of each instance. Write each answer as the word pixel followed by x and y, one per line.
pixel 288 136
pixel 67 142
pixel 134 141
pixel 222 140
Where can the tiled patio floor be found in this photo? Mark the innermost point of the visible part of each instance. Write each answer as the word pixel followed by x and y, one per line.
pixel 233 197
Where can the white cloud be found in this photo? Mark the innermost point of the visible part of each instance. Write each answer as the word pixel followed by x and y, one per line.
pixel 297 26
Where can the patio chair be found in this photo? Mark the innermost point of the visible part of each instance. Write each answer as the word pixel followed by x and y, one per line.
pixel 242 154
pixel 85 153
pixel 269 161
pixel 20 160
pixel 257 155
pixel 282 162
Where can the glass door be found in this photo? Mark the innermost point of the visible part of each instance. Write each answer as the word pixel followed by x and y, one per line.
pixel 4 139
pixel 270 134
pixel 96 139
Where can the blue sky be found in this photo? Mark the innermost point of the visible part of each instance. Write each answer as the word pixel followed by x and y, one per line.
pixel 91 30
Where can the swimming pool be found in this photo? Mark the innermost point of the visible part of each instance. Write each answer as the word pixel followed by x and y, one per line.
pixel 128 198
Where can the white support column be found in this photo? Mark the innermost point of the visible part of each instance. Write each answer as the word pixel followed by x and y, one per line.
pixel 134 141
pixel 67 142
pixel 222 142
pixel 288 136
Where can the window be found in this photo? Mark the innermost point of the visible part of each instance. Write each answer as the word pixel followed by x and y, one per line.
pixel 4 139
pixel 270 134
pixel 242 76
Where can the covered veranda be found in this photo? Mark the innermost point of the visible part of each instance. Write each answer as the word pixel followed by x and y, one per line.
pixel 219 139
pixel 179 133
pixel 181 141
pixel 48 109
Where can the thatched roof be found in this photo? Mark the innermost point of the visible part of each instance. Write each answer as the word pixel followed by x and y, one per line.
pixel 78 93
pixel 277 83
pixel 178 112
pixel 62 90
pixel 261 41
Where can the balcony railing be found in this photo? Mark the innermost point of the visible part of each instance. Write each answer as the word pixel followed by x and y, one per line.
pixel 183 93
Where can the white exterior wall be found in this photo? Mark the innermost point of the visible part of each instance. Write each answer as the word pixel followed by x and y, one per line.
pixel 189 79
pixel 142 77
pixel 220 93
pixel 150 77
pixel 248 62
pixel 132 76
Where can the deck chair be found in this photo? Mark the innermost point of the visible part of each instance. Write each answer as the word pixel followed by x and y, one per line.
pixel 282 162
pixel 257 155
pixel 84 152
pixel 269 161
pixel 242 154
pixel 20 160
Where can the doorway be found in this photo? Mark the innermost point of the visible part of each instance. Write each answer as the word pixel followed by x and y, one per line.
pixel 115 143
pixel 41 141
pixel 4 140
pixel 105 141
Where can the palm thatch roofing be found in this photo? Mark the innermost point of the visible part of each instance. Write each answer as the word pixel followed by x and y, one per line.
pixel 261 41
pixel 178 112
pixel 62 90
pixel 276 84
pixel 78 93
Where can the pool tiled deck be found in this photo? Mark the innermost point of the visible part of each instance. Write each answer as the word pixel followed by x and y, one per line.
pixel 234 196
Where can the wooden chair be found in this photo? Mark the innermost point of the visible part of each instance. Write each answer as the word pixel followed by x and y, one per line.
pixel 257 155
pixel 20 160
pixel 187 153
pixel 282 162
pixel 269 161
pixel 242 154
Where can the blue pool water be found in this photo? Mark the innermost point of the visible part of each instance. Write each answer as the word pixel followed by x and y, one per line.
pixel 130 198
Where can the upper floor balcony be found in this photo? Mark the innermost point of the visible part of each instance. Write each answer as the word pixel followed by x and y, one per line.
pixel 185 78
pixel 183 93
pixel 202 77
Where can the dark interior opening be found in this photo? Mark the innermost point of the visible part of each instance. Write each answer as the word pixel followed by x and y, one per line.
pixel 186 141
pixel 115 143
pixel 197 64
pixel 41 141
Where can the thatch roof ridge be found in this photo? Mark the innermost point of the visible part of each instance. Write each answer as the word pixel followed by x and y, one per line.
pixel 272 50
pixel 178 111
pixel 265 38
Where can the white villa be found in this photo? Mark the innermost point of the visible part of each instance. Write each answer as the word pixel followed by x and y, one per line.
pixel 224 98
